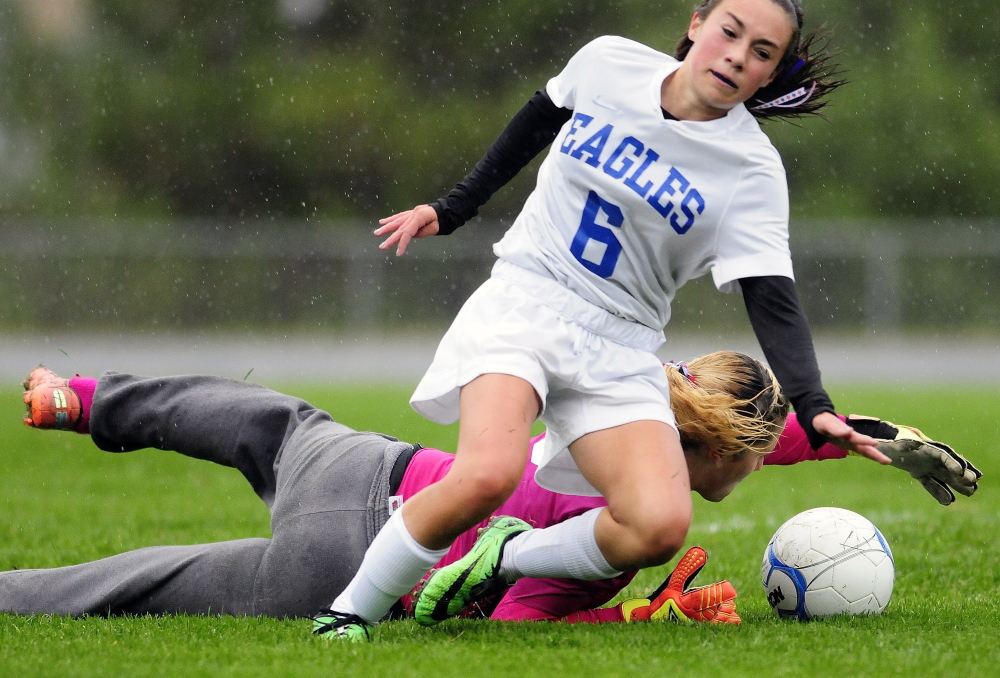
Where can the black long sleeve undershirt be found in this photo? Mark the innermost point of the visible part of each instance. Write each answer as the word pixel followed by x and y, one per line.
pixel 783 332
pixel 527 134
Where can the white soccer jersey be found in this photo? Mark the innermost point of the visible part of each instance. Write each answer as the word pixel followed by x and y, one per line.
pixel 629 206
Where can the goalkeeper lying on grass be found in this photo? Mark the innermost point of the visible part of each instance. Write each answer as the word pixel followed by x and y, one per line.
pixel 330 489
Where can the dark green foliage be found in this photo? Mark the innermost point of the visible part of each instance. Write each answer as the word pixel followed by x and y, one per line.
pixel 230 109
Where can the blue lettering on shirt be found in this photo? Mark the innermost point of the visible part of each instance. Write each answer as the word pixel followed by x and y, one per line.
pixel 593 147
pixel 579 120
pixel 634 163
pixel 633 180
pixel 692 196
pixel 675 182
pixel 626 163
pixel 600 260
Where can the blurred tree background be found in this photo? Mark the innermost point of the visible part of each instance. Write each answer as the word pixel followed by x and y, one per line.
pixel 239 114
pixel 354 108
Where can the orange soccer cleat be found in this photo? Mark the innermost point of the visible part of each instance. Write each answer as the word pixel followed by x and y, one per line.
pixel 49 401
pixel 42 375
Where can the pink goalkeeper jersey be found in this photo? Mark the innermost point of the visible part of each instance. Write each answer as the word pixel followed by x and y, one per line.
pixel 557 598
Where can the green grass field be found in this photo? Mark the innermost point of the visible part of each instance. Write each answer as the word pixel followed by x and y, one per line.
pixel 63 502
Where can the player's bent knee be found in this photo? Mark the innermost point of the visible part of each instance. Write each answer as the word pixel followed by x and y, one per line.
pixel 481 492
pixel 491 491
pixel 658 540
pixel 669 541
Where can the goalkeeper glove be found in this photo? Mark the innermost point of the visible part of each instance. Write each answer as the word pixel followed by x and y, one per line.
pixel 674 600
pixel 934 465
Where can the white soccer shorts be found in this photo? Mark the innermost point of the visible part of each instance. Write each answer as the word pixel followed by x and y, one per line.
pixel 587 381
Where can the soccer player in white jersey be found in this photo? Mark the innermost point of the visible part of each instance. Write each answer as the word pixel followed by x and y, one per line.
pixel 657 173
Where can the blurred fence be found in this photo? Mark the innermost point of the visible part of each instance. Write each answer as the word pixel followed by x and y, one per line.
pixel 92 275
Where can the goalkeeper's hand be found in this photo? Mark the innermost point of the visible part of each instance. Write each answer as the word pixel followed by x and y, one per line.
pixel 935 465
pixel 674 600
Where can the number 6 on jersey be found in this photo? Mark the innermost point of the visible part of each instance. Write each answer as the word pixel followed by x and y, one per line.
pixel 595 245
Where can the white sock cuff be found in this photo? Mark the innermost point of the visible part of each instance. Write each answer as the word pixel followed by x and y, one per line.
pixel 568 550
pixel 390 573
pixel 590 561
pixel 416 548
pixel 392 566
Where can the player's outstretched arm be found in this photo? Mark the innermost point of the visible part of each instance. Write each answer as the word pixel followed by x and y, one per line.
pixel 675 599
pixel 419 222
pixel 842 435
pixel 936 466
pixel 527 134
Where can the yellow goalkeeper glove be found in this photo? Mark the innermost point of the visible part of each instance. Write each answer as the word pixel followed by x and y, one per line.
pixel 936 466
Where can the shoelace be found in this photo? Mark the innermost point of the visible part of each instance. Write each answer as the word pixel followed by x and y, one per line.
pixel 339 620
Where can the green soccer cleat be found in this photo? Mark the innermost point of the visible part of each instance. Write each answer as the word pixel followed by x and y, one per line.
pixel 333 625
pixel 452 588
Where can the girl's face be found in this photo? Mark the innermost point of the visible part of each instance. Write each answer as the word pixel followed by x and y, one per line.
pixel 714 476
pixel 736 51
pixel 725 473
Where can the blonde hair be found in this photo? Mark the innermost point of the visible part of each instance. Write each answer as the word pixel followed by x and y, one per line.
pixel 727 402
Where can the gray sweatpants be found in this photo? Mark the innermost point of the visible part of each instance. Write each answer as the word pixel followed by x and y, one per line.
pixel 326 486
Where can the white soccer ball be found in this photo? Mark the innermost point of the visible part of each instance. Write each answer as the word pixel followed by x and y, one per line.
pixel 828 561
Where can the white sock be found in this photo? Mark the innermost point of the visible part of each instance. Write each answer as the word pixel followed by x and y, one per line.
pixel 568 549
pixel 392 566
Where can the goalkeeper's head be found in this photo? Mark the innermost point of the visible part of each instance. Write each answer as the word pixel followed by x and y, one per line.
pixel 730 411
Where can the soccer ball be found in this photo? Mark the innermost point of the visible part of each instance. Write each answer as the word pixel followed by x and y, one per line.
pixel 828 561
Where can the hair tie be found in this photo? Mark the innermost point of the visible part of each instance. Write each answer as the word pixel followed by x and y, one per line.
pixel 794 69
pixel 683 369
pixel 797 98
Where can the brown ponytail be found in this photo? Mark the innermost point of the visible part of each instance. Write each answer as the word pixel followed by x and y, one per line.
pixel 803 85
